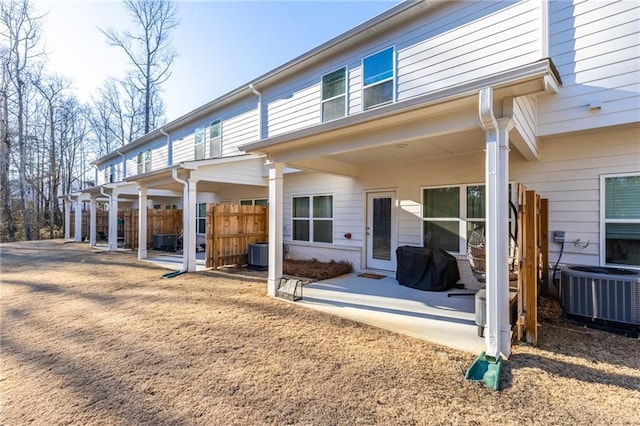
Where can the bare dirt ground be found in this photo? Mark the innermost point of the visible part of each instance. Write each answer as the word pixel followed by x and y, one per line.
pixel 99 338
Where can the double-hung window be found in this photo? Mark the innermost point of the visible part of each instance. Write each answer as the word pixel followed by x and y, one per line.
pixel 201 218
pixel 215 139
pixel 450 214
pixel 144 161
pixel 334 94
pixel 378 79
pixel 313 218
pixel 198 143
pixel 620 219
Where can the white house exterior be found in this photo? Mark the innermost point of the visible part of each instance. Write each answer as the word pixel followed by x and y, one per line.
pixel 408 130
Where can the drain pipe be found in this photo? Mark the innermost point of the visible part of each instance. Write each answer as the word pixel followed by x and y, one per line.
pixel 169 147
pixel 124 165
pixel 259 95
pixel 185 217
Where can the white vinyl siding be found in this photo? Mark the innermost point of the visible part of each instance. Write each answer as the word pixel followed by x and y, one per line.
pixel 596 48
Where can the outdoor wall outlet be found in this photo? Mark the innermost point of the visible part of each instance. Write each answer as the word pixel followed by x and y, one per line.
pixel 558 236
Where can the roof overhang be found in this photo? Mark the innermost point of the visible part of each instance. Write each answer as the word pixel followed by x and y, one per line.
pixel 449 110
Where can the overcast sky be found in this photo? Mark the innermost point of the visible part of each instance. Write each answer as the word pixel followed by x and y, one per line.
pixel 221 45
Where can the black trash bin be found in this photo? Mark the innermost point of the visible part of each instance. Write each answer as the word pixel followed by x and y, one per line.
pixel 429 269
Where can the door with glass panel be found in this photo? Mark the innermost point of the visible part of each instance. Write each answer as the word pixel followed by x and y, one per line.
pixel 381 230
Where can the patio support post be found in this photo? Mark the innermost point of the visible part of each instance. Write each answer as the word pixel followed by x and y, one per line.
pixel 275 227
pixel 189 223
pixel 67 218
pixel 77 236
pixel 497 336
pixel 142 222
pixel 92 221
pixel 113 221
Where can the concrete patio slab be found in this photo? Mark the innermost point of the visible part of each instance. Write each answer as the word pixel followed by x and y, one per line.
pixel 427 315
pixel 174 261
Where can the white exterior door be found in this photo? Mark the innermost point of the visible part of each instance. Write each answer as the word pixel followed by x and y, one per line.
pixel 381 230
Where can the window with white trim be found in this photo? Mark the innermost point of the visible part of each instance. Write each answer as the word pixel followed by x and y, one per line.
pixel 201 218
pixel 451 213
pixel 312 218
pixel 378 79
pixel 198 143
pixel 620 219
pixel 255 202
pixel 144 161
pixel 215 139
pixel 334 95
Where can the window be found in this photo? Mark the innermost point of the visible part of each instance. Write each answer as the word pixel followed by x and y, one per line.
pixel 313 218
pixel 156 206
pixel 198 141
pixel 255 202
pixel 215 139
pixel 450 214
pixel 620 219
pixel 144 161
pixel 334 98
pixel 170 207
pixel 377 79
pixel 201 218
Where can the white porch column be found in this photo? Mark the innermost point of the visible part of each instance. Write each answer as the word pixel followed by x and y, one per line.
pixel 113 221
pixel 142 222
pixel 498 333
pixel 275 227
pixel 92 221
pixel 77 236
pixel 67 219
pixel 189 226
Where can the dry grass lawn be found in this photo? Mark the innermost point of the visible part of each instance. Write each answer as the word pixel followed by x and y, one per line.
pixel 99 338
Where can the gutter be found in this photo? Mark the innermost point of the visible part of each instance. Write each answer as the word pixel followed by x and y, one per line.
pixel 124 164
pixel 257 93
pixel 169 147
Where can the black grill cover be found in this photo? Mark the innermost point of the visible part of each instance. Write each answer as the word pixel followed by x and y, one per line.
pixel 430 269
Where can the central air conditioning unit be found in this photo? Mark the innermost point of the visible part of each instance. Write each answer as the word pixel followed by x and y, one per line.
pixel 599 293
pixel 258 255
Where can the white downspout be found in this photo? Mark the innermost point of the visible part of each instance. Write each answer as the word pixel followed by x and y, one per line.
pixel 185 211
pixel 169 148
pixel 124 165
pixel 497 337
pixel 259 95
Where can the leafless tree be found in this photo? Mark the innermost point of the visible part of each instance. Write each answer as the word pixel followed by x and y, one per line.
pixel 19 33
pixel 148 49
pixel 51 89
pixel 8 225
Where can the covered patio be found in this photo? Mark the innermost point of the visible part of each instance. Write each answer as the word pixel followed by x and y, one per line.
pixel 427 315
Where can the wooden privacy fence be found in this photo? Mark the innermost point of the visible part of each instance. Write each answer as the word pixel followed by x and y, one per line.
pixel 230 229
pixel 533 242
pixel 102 223
pixel 158 222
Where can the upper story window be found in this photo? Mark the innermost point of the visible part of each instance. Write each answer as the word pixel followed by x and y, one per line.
pixel 378 79
pixel 334 94
pixel 215 139
pixel 111 173
pixel 620 219
pixel 144 161
pixel 198 140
